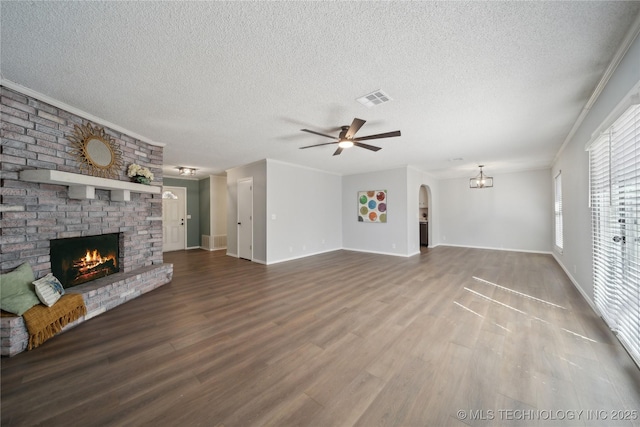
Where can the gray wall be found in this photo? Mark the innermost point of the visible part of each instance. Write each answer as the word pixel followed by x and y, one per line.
pixel 204 186
pixel 573 161
pixel 193 207
pixel 516 214
pixel 218 205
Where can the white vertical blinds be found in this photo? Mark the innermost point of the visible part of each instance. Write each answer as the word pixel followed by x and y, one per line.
pixel 614 160
pixel 558 210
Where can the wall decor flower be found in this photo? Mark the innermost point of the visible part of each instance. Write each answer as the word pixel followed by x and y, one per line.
pixel 139 174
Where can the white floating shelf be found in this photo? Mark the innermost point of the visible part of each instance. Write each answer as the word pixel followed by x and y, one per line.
pixel 84 186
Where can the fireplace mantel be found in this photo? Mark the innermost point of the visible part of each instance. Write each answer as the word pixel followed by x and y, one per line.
pixel 84 186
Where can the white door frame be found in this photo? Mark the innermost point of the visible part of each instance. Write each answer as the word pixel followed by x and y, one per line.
pixel 429 214
pixel 240 182
pixel 182 191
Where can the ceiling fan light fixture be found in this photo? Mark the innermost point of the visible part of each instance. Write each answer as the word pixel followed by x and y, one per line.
pixel 481 180
pixel 347 139
pixel 345 143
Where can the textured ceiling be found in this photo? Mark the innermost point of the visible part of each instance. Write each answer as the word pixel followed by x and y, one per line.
pixel 224 84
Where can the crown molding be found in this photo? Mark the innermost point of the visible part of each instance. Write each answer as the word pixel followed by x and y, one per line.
pixel 628 40
pixel 78 112
pixel 302 167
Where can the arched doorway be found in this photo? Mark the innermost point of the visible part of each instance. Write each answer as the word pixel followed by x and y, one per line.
pixel 424 205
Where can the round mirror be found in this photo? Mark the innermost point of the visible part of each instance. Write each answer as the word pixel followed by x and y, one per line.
pixel 96 151
pixel 99 152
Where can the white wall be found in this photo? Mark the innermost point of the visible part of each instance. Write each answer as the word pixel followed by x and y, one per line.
pixel 257 171
pixel 316 211
pixel 304 211
pixel 387 238
pixel 573 161
pixel 516 214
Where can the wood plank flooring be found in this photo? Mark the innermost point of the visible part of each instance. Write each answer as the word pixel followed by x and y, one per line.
pixel 452 337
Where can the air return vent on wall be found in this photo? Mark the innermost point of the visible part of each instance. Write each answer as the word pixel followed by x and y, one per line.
pixel 374 98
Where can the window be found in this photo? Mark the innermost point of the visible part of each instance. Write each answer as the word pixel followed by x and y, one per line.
pixel 614 169
pixel 557 207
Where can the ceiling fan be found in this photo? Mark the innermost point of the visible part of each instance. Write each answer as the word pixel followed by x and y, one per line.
pixel 346 137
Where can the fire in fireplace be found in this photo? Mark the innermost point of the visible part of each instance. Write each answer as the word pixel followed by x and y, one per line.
pixel 82 259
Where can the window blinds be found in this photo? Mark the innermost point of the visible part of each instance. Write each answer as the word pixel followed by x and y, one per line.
pixel 614 168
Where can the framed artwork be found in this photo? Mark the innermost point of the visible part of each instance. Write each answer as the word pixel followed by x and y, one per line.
pixel 372 206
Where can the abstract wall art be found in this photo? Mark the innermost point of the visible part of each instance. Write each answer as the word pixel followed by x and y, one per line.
pixel 372 206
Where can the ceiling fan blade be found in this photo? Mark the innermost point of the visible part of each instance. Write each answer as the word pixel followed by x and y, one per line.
pixel 355 126
pixel 367 146
pixel 318 145
pixel 380 135
pixel 318 133
pixel 338 151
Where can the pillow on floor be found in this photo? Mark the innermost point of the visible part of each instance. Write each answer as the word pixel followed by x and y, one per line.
pixel 16 291
pixel 49 289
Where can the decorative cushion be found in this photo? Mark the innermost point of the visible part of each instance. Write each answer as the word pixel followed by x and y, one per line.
pixel 49 289
pixel 16 291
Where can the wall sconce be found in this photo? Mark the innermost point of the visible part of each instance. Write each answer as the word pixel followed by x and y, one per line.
pixel 481 180
pixel 187 171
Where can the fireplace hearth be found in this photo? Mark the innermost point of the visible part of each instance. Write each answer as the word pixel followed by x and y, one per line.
pixel 79 260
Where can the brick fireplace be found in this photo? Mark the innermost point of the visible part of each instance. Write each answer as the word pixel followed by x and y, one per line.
pixel 35 136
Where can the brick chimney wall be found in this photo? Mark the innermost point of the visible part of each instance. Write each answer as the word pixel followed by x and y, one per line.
pixel 35 136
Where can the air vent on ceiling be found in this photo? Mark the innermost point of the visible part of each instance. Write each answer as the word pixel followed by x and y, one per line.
pixel 374 98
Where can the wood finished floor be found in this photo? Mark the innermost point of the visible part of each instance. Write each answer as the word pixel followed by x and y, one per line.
pixel 338 339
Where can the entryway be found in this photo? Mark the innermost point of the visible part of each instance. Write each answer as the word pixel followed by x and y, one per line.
pixel 245 218
pixel 174 213
pixel 424 202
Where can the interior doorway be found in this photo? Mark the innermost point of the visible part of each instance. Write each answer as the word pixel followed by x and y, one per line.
pixel 174 213
pixel 245 218
pixel 424 220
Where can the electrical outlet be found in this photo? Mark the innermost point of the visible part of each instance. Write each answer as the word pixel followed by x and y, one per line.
pixel 393 245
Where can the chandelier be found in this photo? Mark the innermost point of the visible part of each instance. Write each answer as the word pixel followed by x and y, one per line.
pixel 481 180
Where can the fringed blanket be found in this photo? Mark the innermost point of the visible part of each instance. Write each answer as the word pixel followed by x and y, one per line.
pixel 44 322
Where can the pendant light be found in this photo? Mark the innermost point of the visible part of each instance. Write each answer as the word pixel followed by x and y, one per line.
pixel 481 180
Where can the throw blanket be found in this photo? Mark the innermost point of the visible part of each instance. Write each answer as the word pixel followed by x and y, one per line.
pixel 44 322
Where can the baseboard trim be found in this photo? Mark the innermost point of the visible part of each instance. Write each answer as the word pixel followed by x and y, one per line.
pixel 576 285
pixel 497 249
pixel 378 252
pixel 302 256
pixel 204 248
